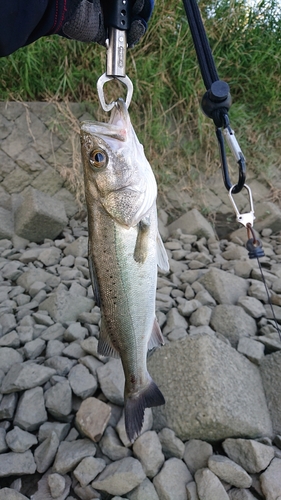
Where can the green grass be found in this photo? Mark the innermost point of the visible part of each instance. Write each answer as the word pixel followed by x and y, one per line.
pixel 165 110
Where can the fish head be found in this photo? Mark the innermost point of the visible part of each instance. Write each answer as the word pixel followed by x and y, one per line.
pixel 116 172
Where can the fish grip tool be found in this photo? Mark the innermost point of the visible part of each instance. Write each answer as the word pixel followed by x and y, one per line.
pixel 117 21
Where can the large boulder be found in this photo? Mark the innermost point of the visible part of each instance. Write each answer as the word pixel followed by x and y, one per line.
pixel 211 391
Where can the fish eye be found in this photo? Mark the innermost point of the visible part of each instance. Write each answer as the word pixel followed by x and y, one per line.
pixel 98 158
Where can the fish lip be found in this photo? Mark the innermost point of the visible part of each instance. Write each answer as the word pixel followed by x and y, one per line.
pixel 119 124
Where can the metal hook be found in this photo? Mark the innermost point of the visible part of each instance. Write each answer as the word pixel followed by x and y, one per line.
pixel 229 135
pixel 247 218
pixel 125 80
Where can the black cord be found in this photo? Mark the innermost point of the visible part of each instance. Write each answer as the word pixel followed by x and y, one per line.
pixel 201 43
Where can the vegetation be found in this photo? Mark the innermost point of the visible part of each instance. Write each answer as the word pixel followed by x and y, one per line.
pixel 179 140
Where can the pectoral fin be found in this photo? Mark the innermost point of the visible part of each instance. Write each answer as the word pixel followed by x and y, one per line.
pixel 141 247
pixel 162 257
pixel 105 344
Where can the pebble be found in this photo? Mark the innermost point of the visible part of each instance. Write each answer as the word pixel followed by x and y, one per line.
pixel 249 454
pixel 20 441
pixel 171 481
pixel 147 448
pixel 209 486
pixel 49 361
pixel 120 477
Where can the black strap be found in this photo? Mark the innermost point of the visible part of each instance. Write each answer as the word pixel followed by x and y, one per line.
pixel 201 43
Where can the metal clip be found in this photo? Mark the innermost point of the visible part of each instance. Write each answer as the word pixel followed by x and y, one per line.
pixel 236 151
pixel 247 218
pixel 125 80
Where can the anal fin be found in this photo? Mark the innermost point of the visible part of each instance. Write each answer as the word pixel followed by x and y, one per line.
pixel 105 344
pixel 156 338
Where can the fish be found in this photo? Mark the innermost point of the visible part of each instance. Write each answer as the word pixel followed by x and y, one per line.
pixel 125 248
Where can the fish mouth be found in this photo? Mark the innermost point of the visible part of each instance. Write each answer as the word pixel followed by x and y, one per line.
pixel 117 128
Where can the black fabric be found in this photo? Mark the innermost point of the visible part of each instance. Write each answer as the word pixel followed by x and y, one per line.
pixel 24 21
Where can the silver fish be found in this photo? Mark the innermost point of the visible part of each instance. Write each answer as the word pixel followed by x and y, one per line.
pixel 124 250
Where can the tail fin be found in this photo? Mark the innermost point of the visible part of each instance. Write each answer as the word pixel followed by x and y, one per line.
pixel 135 406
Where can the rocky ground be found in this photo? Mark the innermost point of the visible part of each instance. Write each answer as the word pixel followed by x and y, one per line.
pixel 61 405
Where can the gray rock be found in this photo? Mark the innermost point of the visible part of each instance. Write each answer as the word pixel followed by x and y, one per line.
pixel 71 453
pixel 147 448
pixel 39 216
pixel 23 376
pixel 82 382
pixel 11 494
pixel 12 270
pixel 271 480
pixel 58 400
pixel 252 306
pixel 31 412
pixel 61 364
pixel 268 216
pixel 201 317
pixel 11 339
pixel 6 223
pixel 172 446
pixel 20 441
pixel 209 486
pixel 8 406
pixel 92 418
pixel 75 332
pixel 34 348
pixel 8 358
pixel 211 398
pixel 42 319
pixel 79 247
pixel 271 376
pixel 64 306
pixel 171 481
pixel 120 477
pixel 197 454
pixel 88 469
pixel 249 454
pixel 224 287
pixel 112 447
pixel 90 345
pixel 193 222
pixel 50 256
pixel 44 491
pixel 229 471
pixel 74 350
pixel 8 323
pixel 258 291
pixel 56 483
pixel 240 494
pixel 112 380
pixel 12 464
pixel 191 491
pixel 47 428
pixel 28 278
pixel 177 334
pixel 252 349
pixel 187 307
pixel 205 298
pixel 174 320
pixel 233 323
pixel 45 453
pixel 145 491
pixel 3 442
pixel 54 348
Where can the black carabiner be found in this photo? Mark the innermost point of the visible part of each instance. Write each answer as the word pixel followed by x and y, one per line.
pixel 233 144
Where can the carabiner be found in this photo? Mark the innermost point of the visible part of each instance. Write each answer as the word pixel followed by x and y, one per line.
pixel 247 218
pixel 229 135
